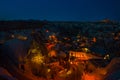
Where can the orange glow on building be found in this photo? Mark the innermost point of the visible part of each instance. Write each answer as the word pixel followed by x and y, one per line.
pixel 80 55
pixel 52 53
pixel 83 55
pixel 94 39
pixel 49 46
pixel 90 77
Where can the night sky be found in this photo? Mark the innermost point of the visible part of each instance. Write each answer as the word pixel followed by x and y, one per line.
pixel 60 10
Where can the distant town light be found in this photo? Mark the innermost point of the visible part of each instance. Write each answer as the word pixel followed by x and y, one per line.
pixel 85 49
pixel 47 30
pixel 107 56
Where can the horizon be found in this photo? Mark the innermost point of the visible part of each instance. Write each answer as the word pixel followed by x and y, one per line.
pixel 102 20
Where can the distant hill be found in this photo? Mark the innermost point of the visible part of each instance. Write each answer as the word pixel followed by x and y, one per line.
pixel 20 24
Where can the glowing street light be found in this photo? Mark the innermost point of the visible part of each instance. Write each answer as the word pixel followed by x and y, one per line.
pixel 38 59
